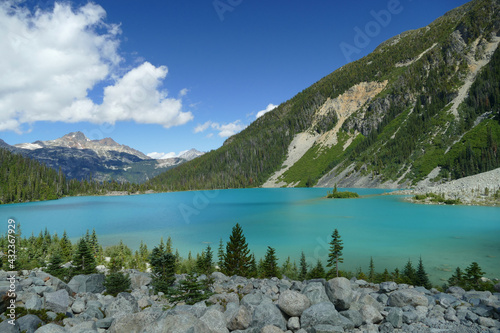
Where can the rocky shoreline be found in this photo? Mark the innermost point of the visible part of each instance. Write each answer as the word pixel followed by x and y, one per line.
pixel 244 305
pixel 479 190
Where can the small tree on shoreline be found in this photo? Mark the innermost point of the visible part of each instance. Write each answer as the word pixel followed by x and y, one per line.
pixel 335 255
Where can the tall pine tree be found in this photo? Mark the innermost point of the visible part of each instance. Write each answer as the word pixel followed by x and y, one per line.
pixel 237 258
pixel 421 278
pixel 83 260
pixel 335 255
pixel 270 267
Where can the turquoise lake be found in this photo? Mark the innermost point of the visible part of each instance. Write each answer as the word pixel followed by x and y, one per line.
pixel 290 220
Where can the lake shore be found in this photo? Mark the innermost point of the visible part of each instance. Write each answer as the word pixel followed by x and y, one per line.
pixel 479 190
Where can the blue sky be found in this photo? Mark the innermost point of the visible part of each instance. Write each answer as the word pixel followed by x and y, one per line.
pixel 167 76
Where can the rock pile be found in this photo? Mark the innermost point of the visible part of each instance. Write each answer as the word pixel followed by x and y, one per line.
pixel 243 305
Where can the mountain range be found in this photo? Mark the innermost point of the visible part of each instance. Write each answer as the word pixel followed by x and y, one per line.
pixel 423 107
pixel 103 160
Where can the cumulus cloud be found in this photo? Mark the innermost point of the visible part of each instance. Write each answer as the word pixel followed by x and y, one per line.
pixel 270 107
pixel 225 130
pixel 50 60
pixel 202 127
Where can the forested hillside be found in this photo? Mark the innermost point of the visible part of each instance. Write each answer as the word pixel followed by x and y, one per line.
pixel 422 119
pixel 23 179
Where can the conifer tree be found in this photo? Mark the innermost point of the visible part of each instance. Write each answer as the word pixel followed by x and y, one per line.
pixel 385 276
pixel 271 268
pixel 83 260
pixel 303 267
pixel 237 257
pixel 457 279
pixel 335 255
pixel 371 271
pixel 66 247
pixel 253 271
pixel 220 254
pixel 116 282
pixel 190 290
pixel 204 263
pixel 169 248
pixel 163 269
pixel 421 278
pixel 55 266
pixel 474 275
pixel 318 272
pixel 290 270
pixel 409 273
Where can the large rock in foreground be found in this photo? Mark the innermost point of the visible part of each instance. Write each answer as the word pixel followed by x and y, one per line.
pixel 340 293
pixel 402 298
pixel 293 303
pixel 93 283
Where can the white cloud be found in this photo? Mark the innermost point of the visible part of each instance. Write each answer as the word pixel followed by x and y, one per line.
pixel 202 127
pixel 51 59
pixel 158 156
pixel 225 130
pixel 270 107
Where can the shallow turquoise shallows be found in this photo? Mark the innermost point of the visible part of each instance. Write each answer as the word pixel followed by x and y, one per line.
pixel 290 220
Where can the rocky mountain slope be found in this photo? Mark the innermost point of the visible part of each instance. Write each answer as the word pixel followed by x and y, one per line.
pixel 78 140
pixel 249 305
pixel 424 103
pixel 81 158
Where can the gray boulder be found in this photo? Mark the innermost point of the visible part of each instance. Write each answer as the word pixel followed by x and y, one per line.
pixel 57 301
pixel 267 313
pixel 51 328
pixel 6 327
pixel 237 317
pixel 293 303
pixel 387 287
pixel 322 328
pixel 271 329
pixel 354 316
pixel 251 301
pixel 293 323
pixel 78 306
pixel 181 323
pixel 124 304
pixel 340 293
pixel 93 283
pixel 84 327
pixel 215 320
pixel 139 279
pixel 133 323
pixel 316 292
pixel 445 300
pixel 29 323
pixel 370 315
pixel 94 312
pixel 104 323
pixel 34 302
pixel 401 298
pixel 395 317
pixel 318 314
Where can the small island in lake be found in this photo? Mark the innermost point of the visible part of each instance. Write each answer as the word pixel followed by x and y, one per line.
pixel 335 194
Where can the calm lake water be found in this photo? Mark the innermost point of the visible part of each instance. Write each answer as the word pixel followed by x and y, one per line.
pixel 290 220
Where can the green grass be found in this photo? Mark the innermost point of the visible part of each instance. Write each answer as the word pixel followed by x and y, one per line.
pixel 436 198
pixel 342 195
